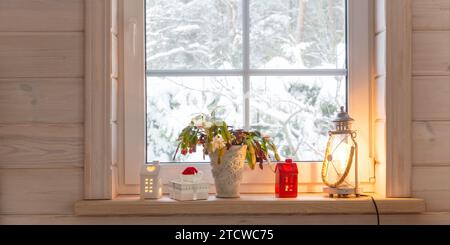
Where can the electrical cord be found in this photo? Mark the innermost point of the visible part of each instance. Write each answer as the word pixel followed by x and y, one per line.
pixel 376 207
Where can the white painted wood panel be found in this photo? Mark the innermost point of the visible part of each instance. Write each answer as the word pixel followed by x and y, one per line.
pixel 264 204
pixel 431 178
pixel 114 143
pixel 431 14
pixel 436 201
pixel 41 15
pixel 41 55
pixel 431 98
pixel 431 53
pixel 398 98
pixel 41 105
pixel 369 219
pixel 431 103
pixel 98 92
pixel 45 191
pixel 114 99
pixel 380 16
pixel 380 98
pixel 114 56
pixel 115 17
pixel 41 144
pixel 431 143
pixel 380 54
pixel 380 157
pixel 41 100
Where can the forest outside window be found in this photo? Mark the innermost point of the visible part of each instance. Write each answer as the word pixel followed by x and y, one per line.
pixel 283 67
pixel 277 66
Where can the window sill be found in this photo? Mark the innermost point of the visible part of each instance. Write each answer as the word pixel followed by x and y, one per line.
pixel 256 204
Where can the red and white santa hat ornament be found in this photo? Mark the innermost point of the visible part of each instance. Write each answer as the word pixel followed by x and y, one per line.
pixel 191 175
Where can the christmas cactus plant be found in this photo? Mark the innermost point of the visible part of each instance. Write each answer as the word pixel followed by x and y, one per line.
pixel 215 135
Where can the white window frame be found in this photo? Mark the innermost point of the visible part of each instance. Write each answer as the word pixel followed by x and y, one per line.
pixel 132 101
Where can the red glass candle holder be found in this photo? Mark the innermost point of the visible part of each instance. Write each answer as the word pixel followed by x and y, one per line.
pixel 286 179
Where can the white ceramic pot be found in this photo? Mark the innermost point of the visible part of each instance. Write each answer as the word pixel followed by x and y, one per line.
pixel 228 174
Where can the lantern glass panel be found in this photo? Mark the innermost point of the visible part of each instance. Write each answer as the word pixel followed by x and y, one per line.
pixel 339 153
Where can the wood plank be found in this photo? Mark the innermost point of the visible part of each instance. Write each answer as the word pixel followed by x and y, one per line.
pixel 35 144
pixel 114 143
pixel 114 99
pixel 48 191
pixel 98 91
pixel 41 55
pixel 431 143
pixel 431 98
pixel 380 16
pixel 431 53
pixel 248 204
pixel 368 219
pixel 380 54
pixel 398 98
pixel 431 179
pixel 431 14
pixel 380 98
pixel 115 17
pixel 41 100
pixel 114 56
pixel 133 110
pixel 115 181
pixel 436 201
pixel 380 156
pixel 191 220
pixel 41 15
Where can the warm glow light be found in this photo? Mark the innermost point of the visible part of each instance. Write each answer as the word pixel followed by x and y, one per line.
pixel 340 157
pixel 151 168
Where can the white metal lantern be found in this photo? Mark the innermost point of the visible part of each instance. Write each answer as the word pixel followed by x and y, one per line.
pixel 340 165
pixel 151 183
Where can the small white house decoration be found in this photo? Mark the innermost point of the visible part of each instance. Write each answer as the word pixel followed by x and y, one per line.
pixel 190 186
pixel 151 183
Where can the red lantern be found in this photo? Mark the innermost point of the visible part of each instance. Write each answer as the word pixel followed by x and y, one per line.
pixel 286 179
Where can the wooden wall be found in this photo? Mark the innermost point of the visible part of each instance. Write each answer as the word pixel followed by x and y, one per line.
pixel 431 102
pixel 41 105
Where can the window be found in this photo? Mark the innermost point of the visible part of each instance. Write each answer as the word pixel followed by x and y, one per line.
pixel 278 66
pixel 281 66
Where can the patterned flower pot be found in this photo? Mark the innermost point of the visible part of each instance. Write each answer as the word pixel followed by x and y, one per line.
pixel 228 173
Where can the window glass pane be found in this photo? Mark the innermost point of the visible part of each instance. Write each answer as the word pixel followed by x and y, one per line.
pixel 194 34
pixel 297 34
pixel 173 101
pixel 297 112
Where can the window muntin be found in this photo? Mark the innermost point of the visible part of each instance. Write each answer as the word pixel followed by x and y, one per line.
pixel 271 53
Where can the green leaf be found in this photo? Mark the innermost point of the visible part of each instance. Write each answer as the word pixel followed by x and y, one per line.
pixel 220 154
pixel 252 152
pixel 264 146
pixel 226 135
pixel 275 151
